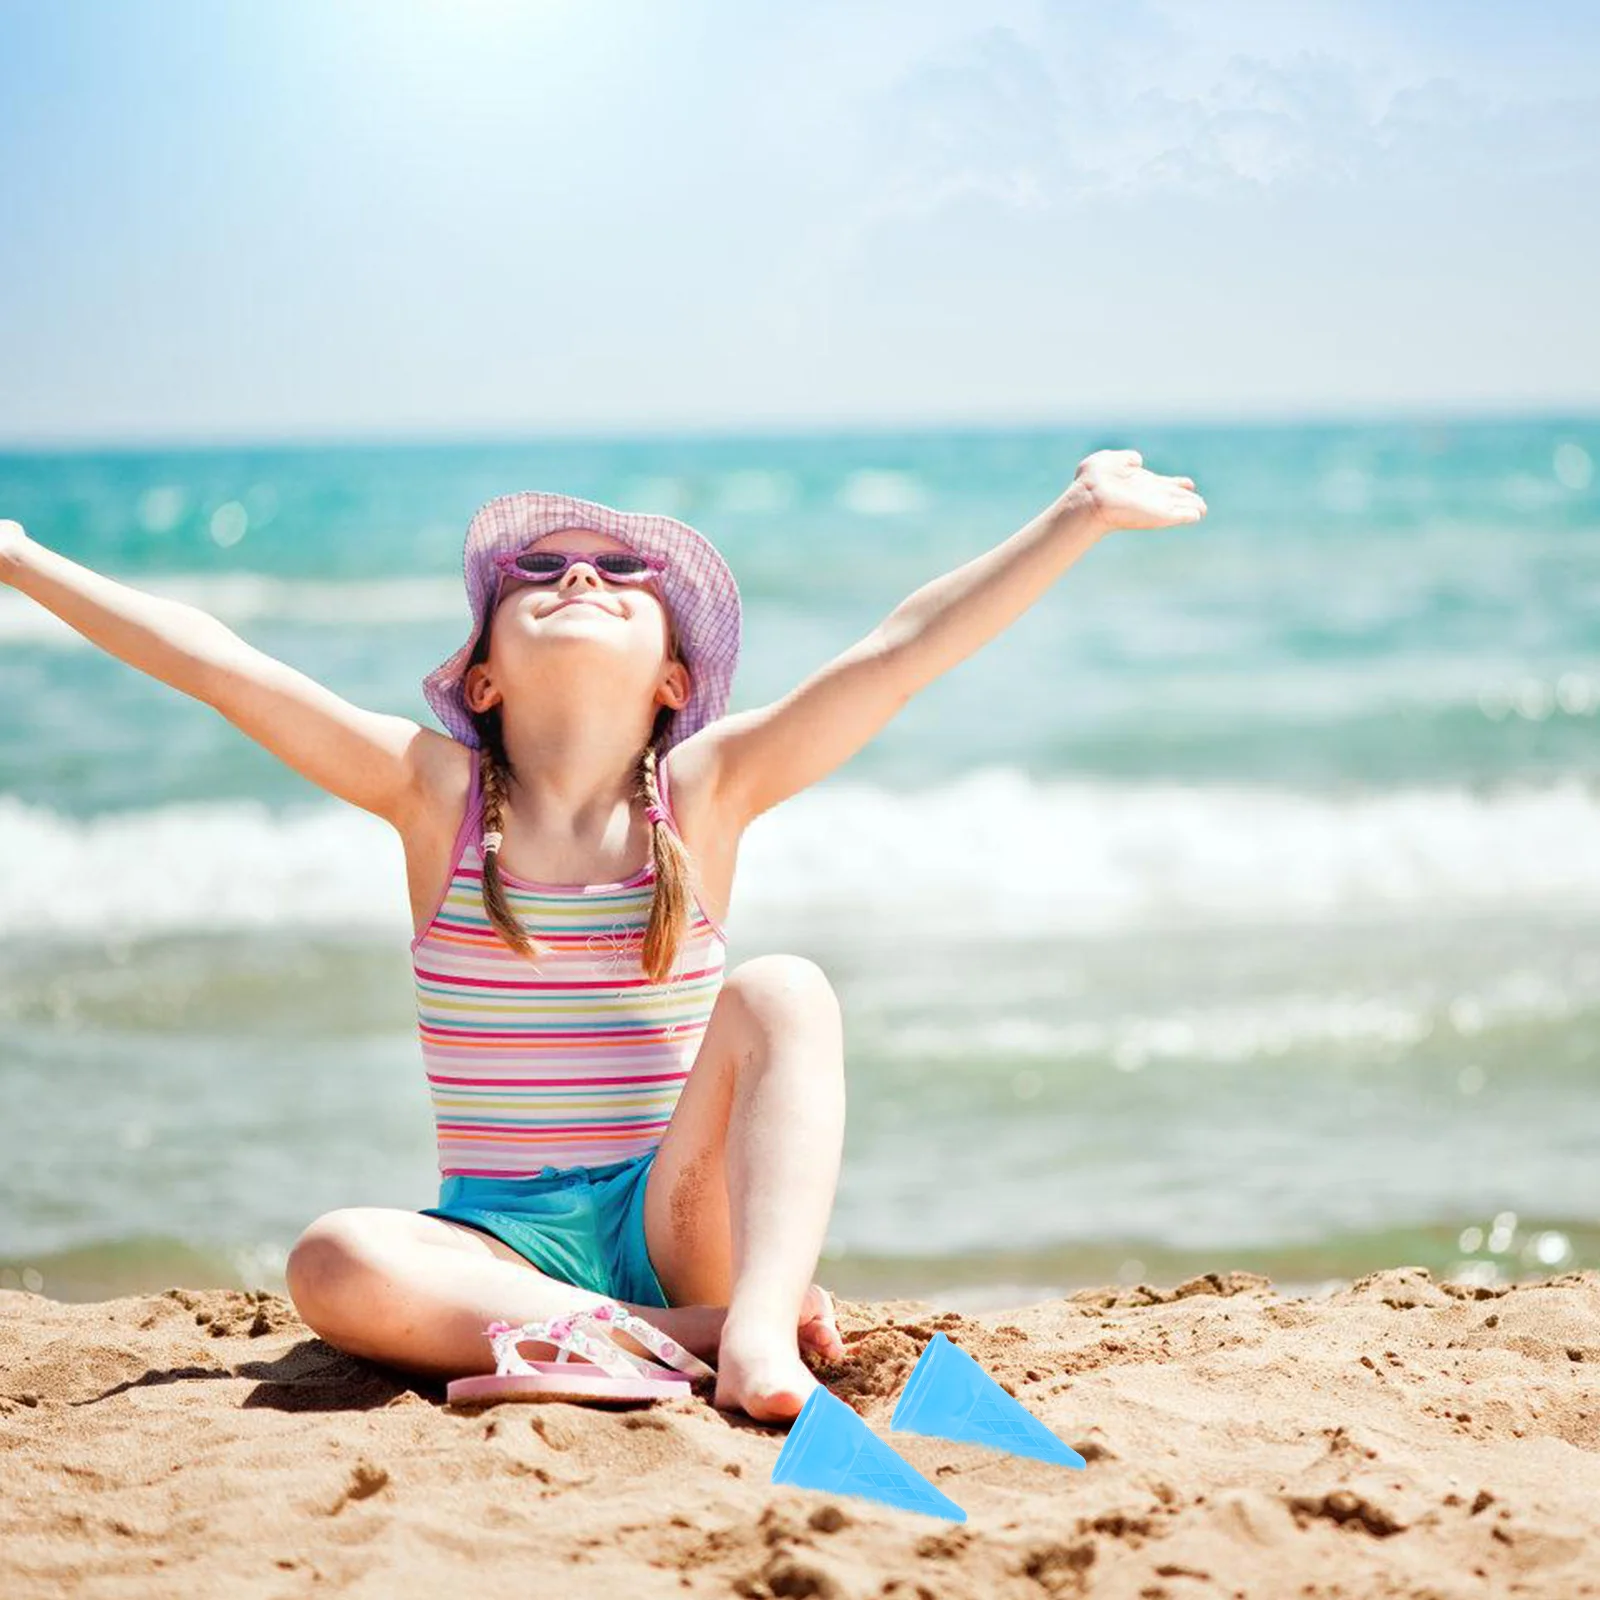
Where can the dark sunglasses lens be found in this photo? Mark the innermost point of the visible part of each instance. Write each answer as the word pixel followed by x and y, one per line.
pixel 541 561
pixel 545 563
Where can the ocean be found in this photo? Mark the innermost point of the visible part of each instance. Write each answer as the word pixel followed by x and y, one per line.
pixel 1237 907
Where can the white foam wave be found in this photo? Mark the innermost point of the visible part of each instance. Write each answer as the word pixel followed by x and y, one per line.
pixel 1266 1026
pixel 997 851
pixel 994 853
pixel 197 867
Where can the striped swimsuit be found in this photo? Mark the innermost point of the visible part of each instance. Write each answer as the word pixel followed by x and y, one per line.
pixel 576 1061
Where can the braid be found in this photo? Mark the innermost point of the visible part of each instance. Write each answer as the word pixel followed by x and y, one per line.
pixel 669 906
pixel 491 778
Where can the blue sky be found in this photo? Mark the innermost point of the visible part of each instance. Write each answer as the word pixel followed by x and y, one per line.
pixel 368 218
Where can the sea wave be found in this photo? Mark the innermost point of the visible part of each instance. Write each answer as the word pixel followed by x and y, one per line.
pixel 1252 1030
pixel 992 853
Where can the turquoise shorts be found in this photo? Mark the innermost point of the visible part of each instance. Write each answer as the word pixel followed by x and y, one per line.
pixel 583 1225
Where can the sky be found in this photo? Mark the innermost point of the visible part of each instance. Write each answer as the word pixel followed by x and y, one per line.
pixel 347 219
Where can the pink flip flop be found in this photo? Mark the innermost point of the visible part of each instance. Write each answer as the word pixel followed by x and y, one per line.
pixel 610 1375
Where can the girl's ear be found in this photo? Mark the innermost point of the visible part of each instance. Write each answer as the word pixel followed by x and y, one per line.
pixel 470 682
pixel 675 686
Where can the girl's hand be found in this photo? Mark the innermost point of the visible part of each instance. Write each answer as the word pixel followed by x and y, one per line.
pixel 1119 492
pixel 12 539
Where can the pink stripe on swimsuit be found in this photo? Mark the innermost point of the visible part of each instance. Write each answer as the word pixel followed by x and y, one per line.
pixel 577 1061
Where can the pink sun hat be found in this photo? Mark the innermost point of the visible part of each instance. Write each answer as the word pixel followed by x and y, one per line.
pixel 699 589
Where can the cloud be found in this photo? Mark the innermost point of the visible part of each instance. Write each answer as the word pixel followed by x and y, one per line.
pixel 1444 129
pixel 1034 123
pixel 984 118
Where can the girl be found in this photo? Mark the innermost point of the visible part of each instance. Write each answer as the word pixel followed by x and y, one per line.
pixel 616 1118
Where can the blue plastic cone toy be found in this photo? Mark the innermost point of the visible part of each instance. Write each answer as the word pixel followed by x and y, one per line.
pixel 950 1396
pixel 830 1448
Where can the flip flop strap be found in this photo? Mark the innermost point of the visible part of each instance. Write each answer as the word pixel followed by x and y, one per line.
pixel 609 1314
pixel 570 1339
pixel 583 1333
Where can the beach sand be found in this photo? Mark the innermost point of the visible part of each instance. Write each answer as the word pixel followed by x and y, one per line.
pixel 1397 1436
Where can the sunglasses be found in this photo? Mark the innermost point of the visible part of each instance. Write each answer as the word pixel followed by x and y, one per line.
pixel 547 566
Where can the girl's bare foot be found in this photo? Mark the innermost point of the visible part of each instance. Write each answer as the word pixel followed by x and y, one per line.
pixel 762 1379
pixel 762 1374
pixel 699 1328
pixel 818 1331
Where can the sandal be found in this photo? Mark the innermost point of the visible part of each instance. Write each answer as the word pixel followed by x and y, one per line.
pixel 609 1374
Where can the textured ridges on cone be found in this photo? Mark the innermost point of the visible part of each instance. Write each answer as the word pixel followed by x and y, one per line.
pixel 950 1396
pixel 830 1448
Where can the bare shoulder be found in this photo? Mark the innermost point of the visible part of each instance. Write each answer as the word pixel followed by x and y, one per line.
pixel 696 789
pixel 441 772
pixel 706 823
pixel 441 775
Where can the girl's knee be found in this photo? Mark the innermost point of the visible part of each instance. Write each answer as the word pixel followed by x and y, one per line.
pixel 775 986
pixel 327 1266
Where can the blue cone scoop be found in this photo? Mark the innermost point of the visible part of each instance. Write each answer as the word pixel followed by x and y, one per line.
pixel 950 1396
pixel 830 1448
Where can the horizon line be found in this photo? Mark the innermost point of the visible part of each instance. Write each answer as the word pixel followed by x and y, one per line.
pixel 1419 414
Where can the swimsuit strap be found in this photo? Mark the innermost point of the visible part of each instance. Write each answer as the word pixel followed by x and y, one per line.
pixel 664 789
pixel 475 804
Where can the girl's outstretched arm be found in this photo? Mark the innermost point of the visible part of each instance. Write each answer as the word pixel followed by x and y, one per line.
pixel 766 754
pixel 371 759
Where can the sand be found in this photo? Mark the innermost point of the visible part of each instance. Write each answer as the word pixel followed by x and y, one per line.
pixel 1398 1436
